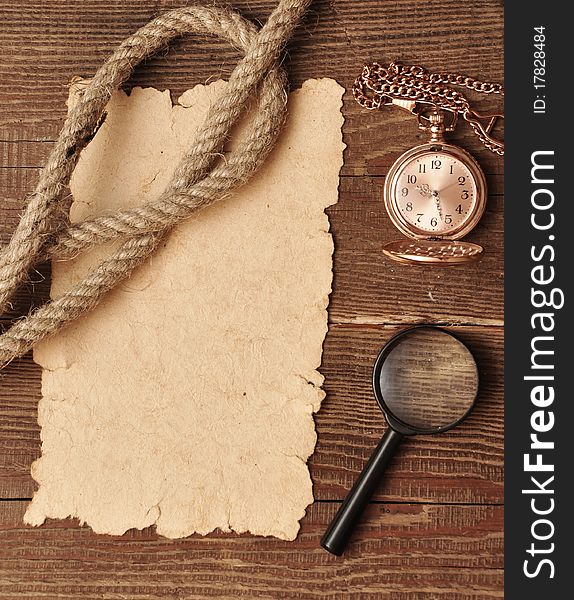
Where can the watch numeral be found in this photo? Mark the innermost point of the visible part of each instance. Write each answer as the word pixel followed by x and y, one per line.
pixel 436 164
pixel 411 178
pixel 433 222
pixel 461 180
pixel 422 168
pixel 405 192
pixel 419 217
pixel 448 219
pixel 464 194
pixel 450 172
pixel 459 209
pixel 409 206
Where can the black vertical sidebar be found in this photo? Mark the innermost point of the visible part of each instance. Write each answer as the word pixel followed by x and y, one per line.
pixel 539 337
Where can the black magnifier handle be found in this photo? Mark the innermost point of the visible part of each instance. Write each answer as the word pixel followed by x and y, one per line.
pixel 337 535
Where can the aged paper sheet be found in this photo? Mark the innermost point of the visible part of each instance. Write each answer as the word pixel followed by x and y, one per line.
pixel 186 398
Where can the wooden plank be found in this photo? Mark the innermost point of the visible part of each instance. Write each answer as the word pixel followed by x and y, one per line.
pixel 399 552
pixel 45 44
pixel 463 465
pixel 374 141
pixel 368 287
pixel 335 41
pixel 402 551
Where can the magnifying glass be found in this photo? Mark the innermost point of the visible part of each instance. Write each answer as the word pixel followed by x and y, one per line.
pixel 425 381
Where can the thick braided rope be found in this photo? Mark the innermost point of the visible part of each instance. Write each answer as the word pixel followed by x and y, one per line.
pixel 198 181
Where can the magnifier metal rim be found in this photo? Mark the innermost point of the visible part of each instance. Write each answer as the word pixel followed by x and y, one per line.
pixel 396 423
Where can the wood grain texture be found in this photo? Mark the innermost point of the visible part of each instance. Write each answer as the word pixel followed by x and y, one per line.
pixel 368 287
pixel 463 465
pixel 434 530
pixel 397 551
pixel 46 42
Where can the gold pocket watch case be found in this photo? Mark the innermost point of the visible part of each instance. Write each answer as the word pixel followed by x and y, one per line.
pixel 435 194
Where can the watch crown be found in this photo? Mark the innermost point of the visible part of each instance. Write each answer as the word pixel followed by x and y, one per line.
pixel 437 126
pixel 434 122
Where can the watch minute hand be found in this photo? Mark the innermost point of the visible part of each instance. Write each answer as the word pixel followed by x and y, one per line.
pixel 436 196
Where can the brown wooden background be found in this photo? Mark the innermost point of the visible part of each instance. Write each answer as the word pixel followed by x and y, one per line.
pixel 434 529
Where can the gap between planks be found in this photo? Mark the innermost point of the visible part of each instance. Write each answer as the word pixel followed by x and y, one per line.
pixel 370 322
pixel 338 501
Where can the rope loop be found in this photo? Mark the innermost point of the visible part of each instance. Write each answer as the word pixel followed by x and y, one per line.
pixel 200 179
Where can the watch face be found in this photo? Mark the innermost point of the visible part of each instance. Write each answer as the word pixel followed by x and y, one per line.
pixel 435 192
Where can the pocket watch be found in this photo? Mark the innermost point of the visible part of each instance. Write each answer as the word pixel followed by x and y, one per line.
pixel 434 193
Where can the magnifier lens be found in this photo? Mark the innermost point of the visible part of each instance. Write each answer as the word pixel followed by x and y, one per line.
pixel 428 380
